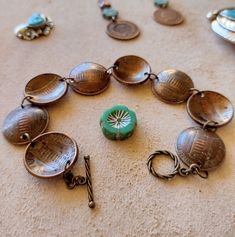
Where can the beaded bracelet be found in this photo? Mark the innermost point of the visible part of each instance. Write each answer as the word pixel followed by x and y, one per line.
pixel 52 154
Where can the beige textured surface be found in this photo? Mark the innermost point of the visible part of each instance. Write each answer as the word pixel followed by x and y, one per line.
pixel 129 201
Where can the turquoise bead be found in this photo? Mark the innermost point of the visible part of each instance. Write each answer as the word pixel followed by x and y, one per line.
pixel 229 13
pixel 118 123
pixel 109 12
pixel 36 20
pixel 161 3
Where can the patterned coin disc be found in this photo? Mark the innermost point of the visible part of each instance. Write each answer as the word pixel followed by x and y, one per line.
pixel 226 23
pixel 89 78
pixel 166 16
pixel 211 106
pixel 172 86
pixel 222 32
pixel 118 123
pixel 122 30
pixel 48 154
pixel 29 120
pixel 131 70
pixel 45 88
pixel 202 147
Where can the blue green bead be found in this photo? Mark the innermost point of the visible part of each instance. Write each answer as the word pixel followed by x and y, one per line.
pixel 229 13
pixel 36 20
pixel 118 123
pixel 161 3
pixel 109 12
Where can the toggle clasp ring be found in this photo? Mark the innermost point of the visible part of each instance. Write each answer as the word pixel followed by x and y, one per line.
pixel 166 153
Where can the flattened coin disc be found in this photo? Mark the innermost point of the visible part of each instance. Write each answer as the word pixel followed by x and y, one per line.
pixel 123 30
pixel 45 88
pixel 207 106
pixel 47 155
pixel 131 70
pixel 89 78
pixel 222 32
pixel 202 147
pixel 166 16
pixel 226 23
pixel 30 119
pixel 172 86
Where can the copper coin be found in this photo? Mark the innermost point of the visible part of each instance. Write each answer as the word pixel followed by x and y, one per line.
pixel 172 86
pixel 122 30
pixel 166 16
pixel 45 88
pixel 211 106
pixel 202 147
pixel 29 120
pixel 47 155
pixel 131 70
pixel 89 78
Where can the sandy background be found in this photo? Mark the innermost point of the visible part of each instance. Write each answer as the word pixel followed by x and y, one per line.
pixel 130 202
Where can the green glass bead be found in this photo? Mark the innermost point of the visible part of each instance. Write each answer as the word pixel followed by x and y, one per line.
pixel 118 123
pixel 161 3
pixel 109 13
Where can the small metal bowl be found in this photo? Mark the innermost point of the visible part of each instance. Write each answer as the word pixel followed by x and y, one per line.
pixel 45 88
pixel 49 154
pixel 210 107
pixel 131 70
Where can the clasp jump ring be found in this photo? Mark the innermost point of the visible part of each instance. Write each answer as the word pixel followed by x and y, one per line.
pixel 166 153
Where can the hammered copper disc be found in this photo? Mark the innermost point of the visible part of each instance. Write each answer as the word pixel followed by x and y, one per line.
pixel 166 16
pixel 46 88
pixel 131 70
pixel 123 30
pixel 207 106
pixel 197 146
pixel 172 86
pixel 89 78
pixel 30 119
pixel 47 155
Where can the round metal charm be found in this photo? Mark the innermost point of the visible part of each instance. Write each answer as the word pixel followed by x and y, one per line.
pixel 48 155
pixel 210 106
pixel 131 70
pixel 89 78
pixel 202 147
pixel 172 86
pixel 122 30
pixel 45 88
pixel 166 16
pixel 29 120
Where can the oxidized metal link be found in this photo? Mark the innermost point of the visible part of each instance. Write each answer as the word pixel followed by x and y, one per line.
pixel 193 169
pixel 109 69
pixel 152 76
pixel 67 80
pixel 209 123
pixel 73 181
pixel 103 4
pixel 24 99
pixel 166 153
pixel 26 137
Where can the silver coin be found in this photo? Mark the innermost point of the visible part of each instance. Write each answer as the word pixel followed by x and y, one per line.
pixel 48 154
pixel 222 32
pixel 29 120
